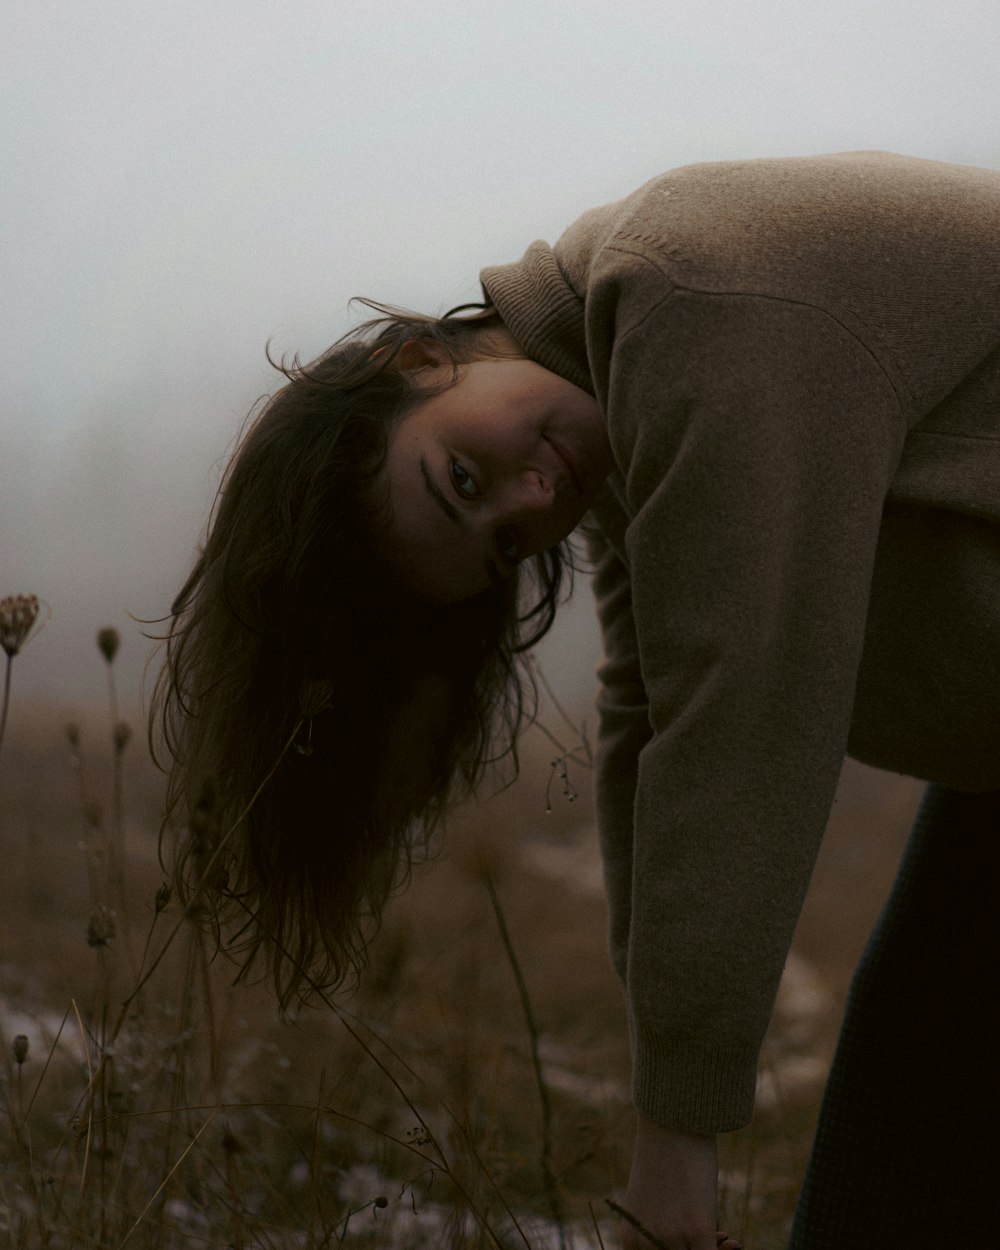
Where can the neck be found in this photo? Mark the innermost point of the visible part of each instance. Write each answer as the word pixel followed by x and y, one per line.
pixel 496 341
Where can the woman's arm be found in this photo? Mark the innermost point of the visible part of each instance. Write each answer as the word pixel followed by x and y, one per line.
pixel 759 440
pixel 666 1164
pixel 622 733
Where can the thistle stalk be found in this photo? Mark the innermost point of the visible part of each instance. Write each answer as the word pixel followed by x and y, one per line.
pixel 18 614
pixel 6 696
pixel 108 643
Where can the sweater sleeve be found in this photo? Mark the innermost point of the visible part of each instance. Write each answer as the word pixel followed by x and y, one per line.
pixel 759 439
pixel 624 731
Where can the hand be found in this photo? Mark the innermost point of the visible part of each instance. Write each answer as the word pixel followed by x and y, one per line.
pixel 672 1191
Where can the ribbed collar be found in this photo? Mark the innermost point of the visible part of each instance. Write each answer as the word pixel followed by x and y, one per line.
pixel 542 311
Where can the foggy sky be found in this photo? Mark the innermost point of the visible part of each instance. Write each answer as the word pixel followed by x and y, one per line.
pixel 186 181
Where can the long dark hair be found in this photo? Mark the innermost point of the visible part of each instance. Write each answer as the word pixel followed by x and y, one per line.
pixel 302 681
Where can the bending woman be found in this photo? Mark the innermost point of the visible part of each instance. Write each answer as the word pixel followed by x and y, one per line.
pixel 773 387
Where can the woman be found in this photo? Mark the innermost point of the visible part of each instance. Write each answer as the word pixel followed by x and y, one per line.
pixel 774 389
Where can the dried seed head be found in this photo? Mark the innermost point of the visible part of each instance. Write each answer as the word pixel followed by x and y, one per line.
pixel 204 822
pixel 122 734
pixel 101 928
pixel 18 614
pixel 315 695
pixel 73 734
pixel 162 898
pixel 205 829
pixel 208 797
pixel 20 1049
pixel 108 642
pixel 381 1202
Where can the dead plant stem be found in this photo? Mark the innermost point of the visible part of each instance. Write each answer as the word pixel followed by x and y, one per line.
pixel 162 1185
pixel 6 696
pixel 581 732
pixel 117 856
pixel 629 1218
pixel 441 1163
pixel 206 871
pixel 548 1177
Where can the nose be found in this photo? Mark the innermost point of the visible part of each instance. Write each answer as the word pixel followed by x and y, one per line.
pixel 524 495
pixel 525 508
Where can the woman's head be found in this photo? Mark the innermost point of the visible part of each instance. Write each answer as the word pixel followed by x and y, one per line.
pixel 495 462
pixel 297 589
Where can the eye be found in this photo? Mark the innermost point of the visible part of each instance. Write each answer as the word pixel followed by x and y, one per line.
pixel 507 545
pixel 463 481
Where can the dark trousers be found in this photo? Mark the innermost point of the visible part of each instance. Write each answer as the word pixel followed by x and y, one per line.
pixel 907 1152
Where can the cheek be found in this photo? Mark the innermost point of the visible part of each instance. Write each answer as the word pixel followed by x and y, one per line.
pixel 394 509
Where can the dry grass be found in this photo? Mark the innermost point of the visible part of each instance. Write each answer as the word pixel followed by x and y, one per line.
pixel 411 1115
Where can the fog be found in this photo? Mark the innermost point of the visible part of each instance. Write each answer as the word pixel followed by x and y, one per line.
pixel 188 182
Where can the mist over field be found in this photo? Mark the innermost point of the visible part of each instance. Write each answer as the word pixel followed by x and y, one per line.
pixel 186 182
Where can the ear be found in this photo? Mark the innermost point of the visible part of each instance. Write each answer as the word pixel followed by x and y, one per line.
pixel 418 354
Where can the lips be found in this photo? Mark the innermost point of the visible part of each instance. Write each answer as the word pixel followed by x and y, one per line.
pixel 567 459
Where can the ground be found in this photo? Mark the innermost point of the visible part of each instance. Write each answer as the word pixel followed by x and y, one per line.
pixel 473 1093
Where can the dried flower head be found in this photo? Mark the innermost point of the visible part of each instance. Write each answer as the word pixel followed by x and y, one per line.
pixel 108 642
pixel 18 614
pixel 20 1049
pixel 315 695
pixel 122 735
pixel 205 831
pixel 101 927
pixel 162 898
pixel 204 822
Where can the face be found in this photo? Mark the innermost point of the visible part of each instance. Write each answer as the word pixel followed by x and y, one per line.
pixel 496 468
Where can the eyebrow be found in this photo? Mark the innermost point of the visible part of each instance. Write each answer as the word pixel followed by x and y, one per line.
pixel 454 516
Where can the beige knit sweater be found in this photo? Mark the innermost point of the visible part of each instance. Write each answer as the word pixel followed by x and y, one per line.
pixel 799 555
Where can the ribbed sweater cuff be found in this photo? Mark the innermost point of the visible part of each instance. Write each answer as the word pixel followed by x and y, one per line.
pixel 699 1090
pixel 542 311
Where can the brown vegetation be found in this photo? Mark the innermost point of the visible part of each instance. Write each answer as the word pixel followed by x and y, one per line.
pixel 474 1093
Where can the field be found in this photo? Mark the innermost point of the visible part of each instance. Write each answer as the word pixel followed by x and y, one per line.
pixel 473 1093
